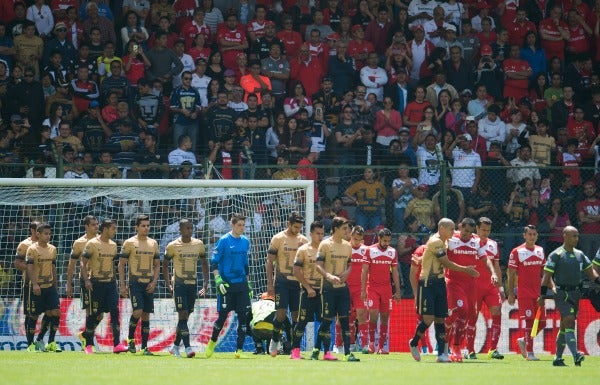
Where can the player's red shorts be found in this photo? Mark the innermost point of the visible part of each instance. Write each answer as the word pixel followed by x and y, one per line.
pixel 355 301
pixel 460 297
pixel 380 297
pixel 528 307
pixel 488 294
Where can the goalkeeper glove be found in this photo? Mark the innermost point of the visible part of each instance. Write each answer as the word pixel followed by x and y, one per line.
pixel 221 285
pixel 250 292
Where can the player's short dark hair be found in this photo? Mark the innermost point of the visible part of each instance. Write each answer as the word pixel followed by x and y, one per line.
pixel 106 224
pixel 385 232
pixel 295 217
pixel 484 221
pixel 316 225
pixel 529 227
pixel 141 218
pixel 357 230
pixel 184 221
pixel 236 217
pixel 468 222
pixel 43 226
pixel 33 225
pixel 338 222
pixel 88 219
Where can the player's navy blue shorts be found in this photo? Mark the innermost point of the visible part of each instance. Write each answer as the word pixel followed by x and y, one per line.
pixel 139 298
pixel 237 299
pixel 185 297
pixel 335 302
pixel 287 294
pixel 310 308
pixel 102 298
pixel 47 300
pixel 432 299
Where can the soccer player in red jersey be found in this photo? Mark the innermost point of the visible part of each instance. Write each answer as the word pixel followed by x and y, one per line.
pixel 379 260
pixel 415 271
pixel 358 307
pixel 463 249
pixel 527 261
pixel 487 290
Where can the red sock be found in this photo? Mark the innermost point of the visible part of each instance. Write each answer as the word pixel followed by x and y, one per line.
pixel 338 334
pixel 383 331
pixel 496 329
pixel 363 332
pixel 470 338
pixel 372 330
pixel 528 339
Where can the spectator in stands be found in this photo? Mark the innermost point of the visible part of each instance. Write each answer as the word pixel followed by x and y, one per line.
pixel 66 137
pixel 455 202
pixel 84 89
pixel 291 39
pixel 186 106
pixel 319 25
pixel 183 151
pixel 29 48
pixel 254 82
pixel 466 170
pixel 402 192
pixel 308 171
pixel 150 162
pixel 232 40
pixel 164 63
pixel 123 143
pixel 164 25
pixel 563 109
pixel 420 207
pixel 106 169
pixel 60 43
pixel 369 196
pixel 186 61
pixel 277 69
pixel 219 119
pixel 588 213
pixel 491 127
pixel 413 113
pixel 374 77
pixel 523 167
pixel 103 24
pixel 224 158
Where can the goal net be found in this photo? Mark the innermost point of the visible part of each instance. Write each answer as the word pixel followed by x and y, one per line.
pixel 208 203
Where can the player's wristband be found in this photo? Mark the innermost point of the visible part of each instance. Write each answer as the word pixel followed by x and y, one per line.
pixel 543 291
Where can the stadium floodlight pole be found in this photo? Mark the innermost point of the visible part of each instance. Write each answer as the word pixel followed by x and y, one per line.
pixel 306 185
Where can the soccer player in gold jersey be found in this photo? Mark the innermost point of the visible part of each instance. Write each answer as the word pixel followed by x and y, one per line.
pixel 310 280
pixel 281 281
pixel 90 224
pixel 334 264
pixel 140 252
pixel 185 252
pixel 100 288
pixel 21 265
pixel 43 285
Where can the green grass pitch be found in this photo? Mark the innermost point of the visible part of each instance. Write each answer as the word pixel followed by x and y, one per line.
pixel 77 368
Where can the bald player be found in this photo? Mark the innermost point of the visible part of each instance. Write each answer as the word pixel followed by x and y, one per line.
pixel 432 303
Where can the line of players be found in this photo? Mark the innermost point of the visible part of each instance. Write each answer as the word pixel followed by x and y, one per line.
pixel 320 278
pixel 97 252
pixel 457 271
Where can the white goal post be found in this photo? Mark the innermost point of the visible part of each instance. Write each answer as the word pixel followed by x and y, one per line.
pixel 63 203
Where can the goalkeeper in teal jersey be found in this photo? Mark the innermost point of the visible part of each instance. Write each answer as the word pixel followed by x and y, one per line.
pixel 230 261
